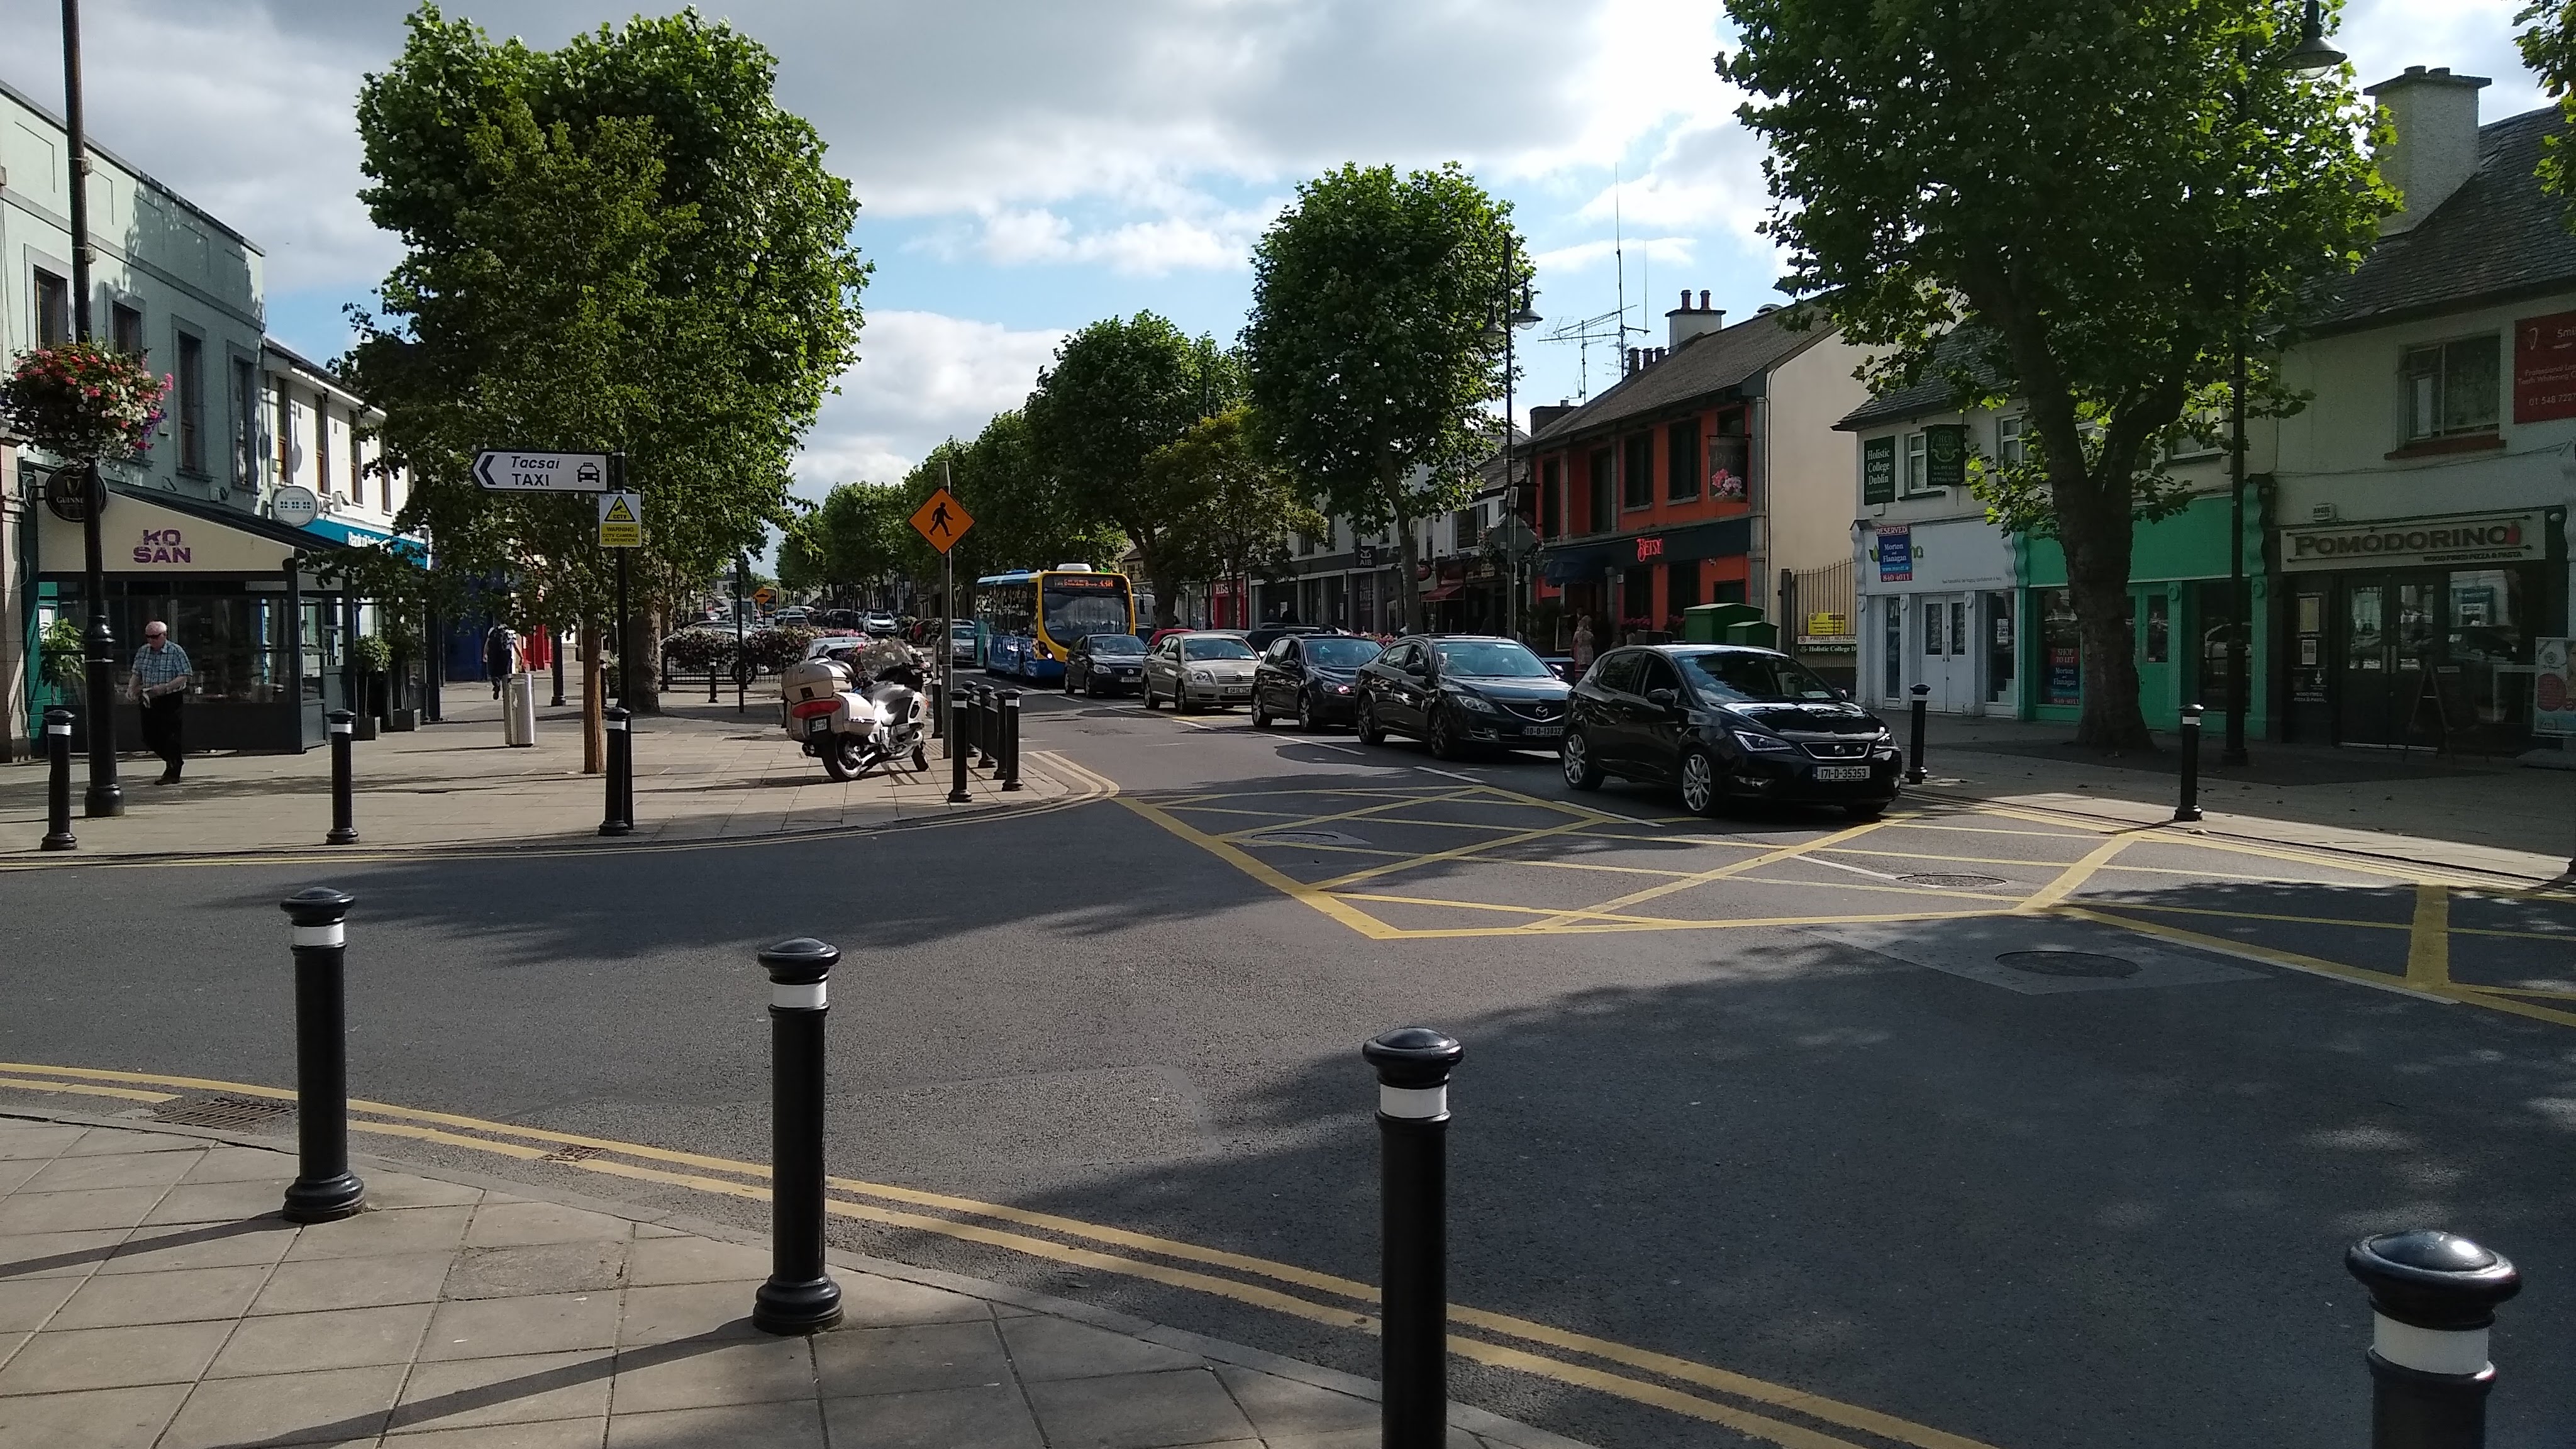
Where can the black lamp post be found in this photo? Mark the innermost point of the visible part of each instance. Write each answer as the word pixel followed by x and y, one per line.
pixel 1510 318
pixel 2310 54
pixel 98 642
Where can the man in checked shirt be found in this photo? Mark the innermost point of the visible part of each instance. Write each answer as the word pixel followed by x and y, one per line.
pixel 161 687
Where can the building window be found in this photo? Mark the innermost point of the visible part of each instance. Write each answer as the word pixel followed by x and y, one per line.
pixel 125 329
pixel 1462 528
pixel 245 400
pixel 1551 515
pixel 1604 465
pixel 1681 461
pixel 53 309
pixel 2451 388
pixel 2012 446
pixel 285 429
pixel 1637 472
pixel 190 382
pixel 1918 463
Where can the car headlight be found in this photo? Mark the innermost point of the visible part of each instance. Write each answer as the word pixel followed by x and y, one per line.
pixel 1341 689
pixel 1476 703
pixel 1201 676
pixel 1765 743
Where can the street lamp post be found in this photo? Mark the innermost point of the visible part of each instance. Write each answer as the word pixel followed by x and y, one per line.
pixel 1510 318
pixel 2311 54
pixel 98 642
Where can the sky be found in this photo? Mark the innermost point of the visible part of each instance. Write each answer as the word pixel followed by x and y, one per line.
pixel 1027 166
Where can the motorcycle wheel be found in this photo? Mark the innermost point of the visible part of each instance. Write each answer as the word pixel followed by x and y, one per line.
pixel 920 758
pixel 842 758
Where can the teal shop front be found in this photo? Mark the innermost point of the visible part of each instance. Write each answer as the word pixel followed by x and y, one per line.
pixel 2178 614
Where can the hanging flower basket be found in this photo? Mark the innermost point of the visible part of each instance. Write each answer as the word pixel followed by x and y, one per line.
pixel 76 400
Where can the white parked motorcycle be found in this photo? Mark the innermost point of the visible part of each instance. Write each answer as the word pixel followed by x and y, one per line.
pixel 857 712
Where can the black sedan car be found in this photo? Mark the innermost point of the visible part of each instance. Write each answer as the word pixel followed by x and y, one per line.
pixel 1455 692
pixel 1724 722
pixel 1309 678
pixel 1105 664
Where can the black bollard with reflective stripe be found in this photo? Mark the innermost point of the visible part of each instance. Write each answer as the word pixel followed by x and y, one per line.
pixel 618 819
pixel 2188 809
pixel 344 810
pixel 960 718
pixel 2432 1299
pixel 1009 774
pixel 1413 1066
pixel 58 781
pixel 1914 756
pixel 988 727
pixel 800 1296
pixel 324 1189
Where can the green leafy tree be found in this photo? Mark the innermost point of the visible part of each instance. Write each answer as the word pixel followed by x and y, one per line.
pixel 1120 389
pixel 855 538
pixel 621 244
pixel 1245 505
pixel 2109 191
pixel 2548 42
pixel 1373 352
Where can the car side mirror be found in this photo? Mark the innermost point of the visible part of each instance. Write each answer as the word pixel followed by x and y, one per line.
pixel 1663 699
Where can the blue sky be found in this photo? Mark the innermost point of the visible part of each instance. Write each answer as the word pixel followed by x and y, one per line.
pixel 1027 166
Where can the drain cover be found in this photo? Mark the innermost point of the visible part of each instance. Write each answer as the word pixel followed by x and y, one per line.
pixel 1956 882
pixel 571 1152
pixel 2070 963
pixel 1306 837
pixel 222 1113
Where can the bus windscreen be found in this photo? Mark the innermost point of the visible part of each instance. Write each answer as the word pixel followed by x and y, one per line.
pixel 1075 606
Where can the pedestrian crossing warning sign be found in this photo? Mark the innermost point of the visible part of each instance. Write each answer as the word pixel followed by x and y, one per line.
pixel 621 520
pixel 941 519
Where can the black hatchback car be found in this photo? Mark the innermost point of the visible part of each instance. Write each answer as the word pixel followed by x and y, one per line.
pixel 1455 692
pixel 1309 678
pixel 1105 664
pixel 1725 722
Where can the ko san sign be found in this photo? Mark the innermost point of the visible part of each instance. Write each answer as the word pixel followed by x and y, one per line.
pixel 513 470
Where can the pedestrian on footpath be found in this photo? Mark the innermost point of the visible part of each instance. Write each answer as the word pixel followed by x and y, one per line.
pixel 160 686
pixel 500 655
pixel 1582 644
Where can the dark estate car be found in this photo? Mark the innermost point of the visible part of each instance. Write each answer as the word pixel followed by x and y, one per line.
pixel 1727 722
pixel 1457 691
pixel 1310 678
pixel 1105 664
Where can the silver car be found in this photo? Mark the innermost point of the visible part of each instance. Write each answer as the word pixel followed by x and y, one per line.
pixel 1208 667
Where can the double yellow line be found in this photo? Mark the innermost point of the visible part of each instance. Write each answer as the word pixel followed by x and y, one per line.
pixel 1534 1348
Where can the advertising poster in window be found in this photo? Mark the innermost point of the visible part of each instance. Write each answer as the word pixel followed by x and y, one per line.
pixel 2544 368
pixel 1895 555
pixel 2553 688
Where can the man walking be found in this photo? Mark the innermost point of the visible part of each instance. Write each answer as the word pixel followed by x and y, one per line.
pixel 161 687
pixel 500 656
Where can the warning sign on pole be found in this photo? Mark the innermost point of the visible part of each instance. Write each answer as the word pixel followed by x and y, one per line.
pixel 942 520
pixel 621 520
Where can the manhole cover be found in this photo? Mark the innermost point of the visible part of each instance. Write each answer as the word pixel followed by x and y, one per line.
pixel 1306 837
pixel 1955 882
pixel 2069 963
pixel 571 1152
pixel 234 1114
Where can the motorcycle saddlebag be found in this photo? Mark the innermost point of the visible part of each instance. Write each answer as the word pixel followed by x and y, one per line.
pixel 811 679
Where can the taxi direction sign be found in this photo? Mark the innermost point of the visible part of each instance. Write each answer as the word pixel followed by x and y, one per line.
pixel 942 520
pixel 510 470
pixel 621 520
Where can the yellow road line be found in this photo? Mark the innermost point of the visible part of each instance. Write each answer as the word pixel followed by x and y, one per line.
pixel 2255 916
pixel 85 1089
pixel 1668 921
pixel 2272 955
pixel 2428 939
pixel 1360 813
pixel 1287 885
pixel 1437 856
pixel 1739 867
pixel 2074 876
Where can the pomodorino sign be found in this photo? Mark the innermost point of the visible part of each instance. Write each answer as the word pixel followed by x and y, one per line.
pixel 2412 542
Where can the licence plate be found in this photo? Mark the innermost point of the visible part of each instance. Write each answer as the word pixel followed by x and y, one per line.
pixel 818 724
pixel 1236 691
pixel 1831 774
pixel 1542 732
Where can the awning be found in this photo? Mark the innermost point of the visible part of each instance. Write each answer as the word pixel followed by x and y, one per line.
pixel 1443 594
pixel 153 532
pixel 341 531
pixel 1718 538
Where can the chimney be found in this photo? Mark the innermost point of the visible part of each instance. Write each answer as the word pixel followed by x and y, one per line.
pixel 1540 417
pixel 2435 116
pixel 1686 321
pixel 1633 363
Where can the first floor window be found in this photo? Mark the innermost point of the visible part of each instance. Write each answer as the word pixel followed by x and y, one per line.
pixel 1637 472
pixel 2012 447
pixel 191 386
pixel 53 309
pixel 1918 468
pixel 2450 388
pixel 125 329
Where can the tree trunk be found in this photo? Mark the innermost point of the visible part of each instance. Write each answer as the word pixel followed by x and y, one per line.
pixel 2096 540
pixel 594 741
pixel 639 662
pixel 1166 585
pixel 1412 583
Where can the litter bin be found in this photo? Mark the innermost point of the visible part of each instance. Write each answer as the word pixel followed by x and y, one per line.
pixel 519 709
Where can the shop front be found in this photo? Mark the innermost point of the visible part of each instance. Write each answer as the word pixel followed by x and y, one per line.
pixel 2177 620
pixel 263 636
pixel 1645 580
pixel 1937 610
pixel 2418 632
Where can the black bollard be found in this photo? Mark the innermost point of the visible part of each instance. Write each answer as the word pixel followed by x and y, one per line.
pixel 58 781
pixel 988 727
pixel 1914 757
pixel 2432 1299
pixel 1413 1066
pixel 711 681
pixel 960 715
pixel 2189 808
pixel 618 820
pixel 324 1189
pixel 939 714
pixel 800 1296
pixel 1010 771
pixel 344 811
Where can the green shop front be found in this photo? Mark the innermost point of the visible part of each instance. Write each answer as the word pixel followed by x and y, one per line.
pixel 2177 619
pixel 263 634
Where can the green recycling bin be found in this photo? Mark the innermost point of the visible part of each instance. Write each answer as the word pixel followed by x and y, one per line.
pixel 1708 623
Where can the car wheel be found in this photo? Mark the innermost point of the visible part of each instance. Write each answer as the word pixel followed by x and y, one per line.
pixel 1068 681
pixel 1575 756
pixel 1260 712
pixel 1305 712
pixel 1150 701
pixel 1442 735
pixel 1699 783
pixel 1366 725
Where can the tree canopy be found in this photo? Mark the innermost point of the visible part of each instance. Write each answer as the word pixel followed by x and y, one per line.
pixel 2111 192
pixel 1240 505
pixel 1374 348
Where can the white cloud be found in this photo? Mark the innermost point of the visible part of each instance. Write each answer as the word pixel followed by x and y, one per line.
pixel 921 377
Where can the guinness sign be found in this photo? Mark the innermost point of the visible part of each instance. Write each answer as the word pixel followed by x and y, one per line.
pixel 2412 543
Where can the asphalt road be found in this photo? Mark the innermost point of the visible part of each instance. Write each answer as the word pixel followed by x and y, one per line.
pixel 1847 1155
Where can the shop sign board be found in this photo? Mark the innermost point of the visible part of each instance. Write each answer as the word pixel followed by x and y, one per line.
pixel 2544 368
pixel 2417 542
pixel 1878 470
pixel 1895 555
pixel 294 506
pixel 2553 688
pixel 141 537
pixel 1945 455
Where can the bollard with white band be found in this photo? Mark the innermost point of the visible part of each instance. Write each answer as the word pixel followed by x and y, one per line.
pixel 344 810
pixel 1413 1066
pixel 324 1189
pixel 988 726
pixel 2432 1299
pixel 1914 756
pixel 620 816
pixel 58 781
pixel 1010 770
pixel 2188 809
pixel 961 717
pixel 800 1296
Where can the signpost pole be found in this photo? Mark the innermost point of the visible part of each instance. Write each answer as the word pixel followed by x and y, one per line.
pixel 741 675
pixel 947 642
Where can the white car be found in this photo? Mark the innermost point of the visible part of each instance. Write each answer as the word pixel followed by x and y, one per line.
pixel 961 642
pixel 1202 668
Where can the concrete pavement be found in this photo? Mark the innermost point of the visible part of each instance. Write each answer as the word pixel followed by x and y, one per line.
pixel 151 1298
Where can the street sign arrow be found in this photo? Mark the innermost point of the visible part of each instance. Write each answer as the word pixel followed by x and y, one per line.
pixel 514 470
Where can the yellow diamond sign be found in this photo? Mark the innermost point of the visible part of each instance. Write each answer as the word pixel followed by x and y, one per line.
pixel 942 519
pixel 621 520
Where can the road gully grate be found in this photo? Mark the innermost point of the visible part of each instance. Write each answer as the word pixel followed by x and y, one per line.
pixel 2070 963
pixel 227 1114
pixel 1953 882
